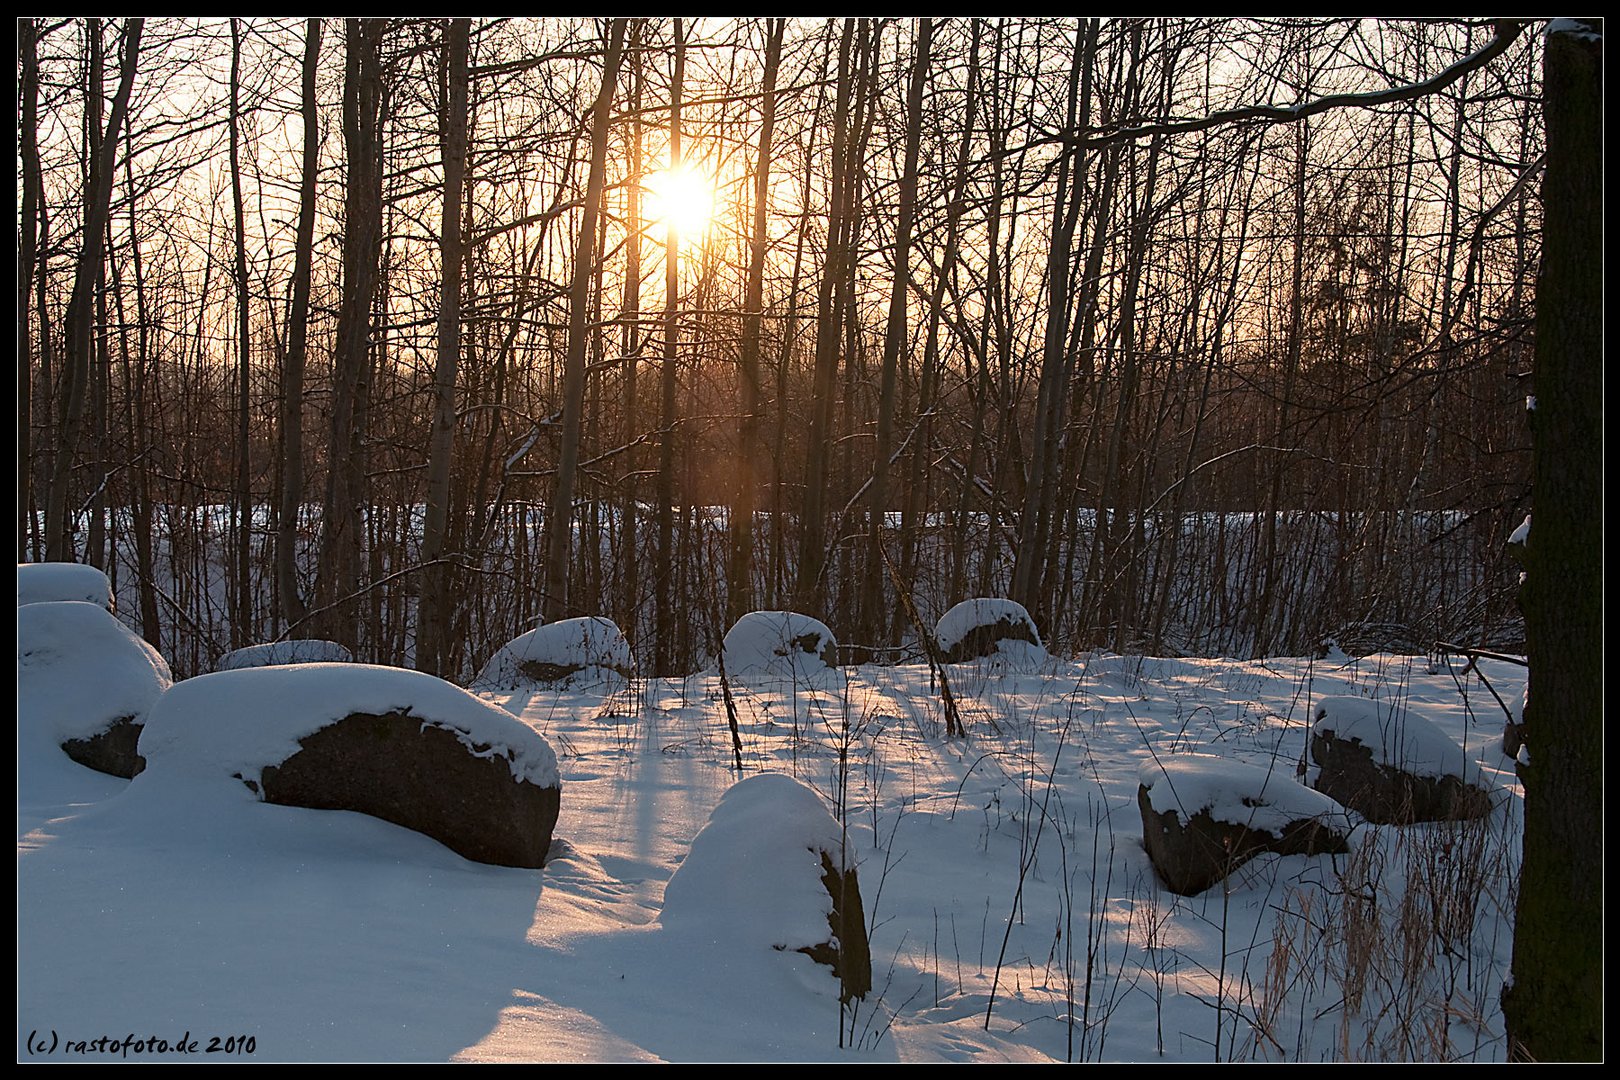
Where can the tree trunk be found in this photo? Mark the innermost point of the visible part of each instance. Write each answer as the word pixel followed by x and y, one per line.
pixel 141 438
pixel 663 567
pixel 559 521
pixel 1554 1010
pixel 874 624
pixel 292 372
pixel 241 621
pixel 812 547
pixel 432 639
pixel 80 343
pixel 343 516
pixel 739 589
pixel 27 246
pixel 1050 401
pixel 629 607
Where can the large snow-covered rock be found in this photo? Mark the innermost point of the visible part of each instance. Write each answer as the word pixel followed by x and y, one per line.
pixel 765 645
pixel 39 583
pixel 399 745
pixel 988 627
pixel 569 654
pixel 766 873
pixel 294 651
pixel 85 683
pixel 1204 816
pixel 1392 765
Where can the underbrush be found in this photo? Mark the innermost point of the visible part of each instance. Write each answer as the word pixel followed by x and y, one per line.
pixel 1058 934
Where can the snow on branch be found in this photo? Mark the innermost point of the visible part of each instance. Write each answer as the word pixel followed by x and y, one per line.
pixel 1507 32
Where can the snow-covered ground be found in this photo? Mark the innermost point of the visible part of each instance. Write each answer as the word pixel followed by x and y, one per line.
pixel 1013 913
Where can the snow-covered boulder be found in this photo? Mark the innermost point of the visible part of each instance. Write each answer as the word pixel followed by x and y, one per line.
pixel 41 583
pixel 1204 816
pixel 295 651
pixel 569 654
pixel 987 627
pixel 85 683
pixel 765 645
pixel 396 744
pixel 1392 765
pixel 766 873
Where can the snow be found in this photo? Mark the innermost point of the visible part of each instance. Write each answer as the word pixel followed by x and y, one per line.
pixel 753 878
pixel 592 650
pixel 1397 737
pixel 235 723
pixel 1254 796
pixel 964 618
pixel 1521 535
pixel 1578 27
pixel 79 669
pixel 43 582
pixel 295 651
pixel 783 645
pixel 166 905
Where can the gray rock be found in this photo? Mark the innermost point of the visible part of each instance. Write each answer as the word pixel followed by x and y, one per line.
pixel 111 751
pixel 1204 815
pixel 405 770
pixel 1386 794
pixel 848 951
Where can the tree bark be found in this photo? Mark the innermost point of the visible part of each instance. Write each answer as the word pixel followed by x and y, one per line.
pixel 1554 1010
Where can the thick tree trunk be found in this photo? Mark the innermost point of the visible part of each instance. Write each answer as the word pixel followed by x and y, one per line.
pixel 1554 1010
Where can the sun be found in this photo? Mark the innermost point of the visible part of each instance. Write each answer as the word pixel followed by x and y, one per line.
pixel 682 199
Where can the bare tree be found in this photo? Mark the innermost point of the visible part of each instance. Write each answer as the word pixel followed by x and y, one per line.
pixel 432 644
pixel 559 521
pixel 739 588
pixel 291 401
pixel 343 517
pixel 80 341
pixel 874 621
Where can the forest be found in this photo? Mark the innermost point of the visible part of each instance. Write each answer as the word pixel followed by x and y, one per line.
pixel 1190 378
pixel 1195 337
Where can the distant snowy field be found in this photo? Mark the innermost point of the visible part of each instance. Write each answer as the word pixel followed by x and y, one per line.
pixel 1013 913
